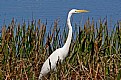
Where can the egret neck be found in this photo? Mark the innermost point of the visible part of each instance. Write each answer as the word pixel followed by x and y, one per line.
pixel 68 41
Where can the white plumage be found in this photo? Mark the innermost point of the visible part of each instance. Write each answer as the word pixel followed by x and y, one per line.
pixel 51 62
pixel 61 53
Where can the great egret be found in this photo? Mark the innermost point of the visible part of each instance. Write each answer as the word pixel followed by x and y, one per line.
pixel 61 53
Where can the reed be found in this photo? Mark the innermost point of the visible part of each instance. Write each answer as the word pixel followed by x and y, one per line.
pixel 95 51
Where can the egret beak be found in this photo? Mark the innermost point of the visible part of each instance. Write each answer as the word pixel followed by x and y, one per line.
pixel 81 11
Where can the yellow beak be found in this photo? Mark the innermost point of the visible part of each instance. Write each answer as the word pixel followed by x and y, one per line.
pixel 81 11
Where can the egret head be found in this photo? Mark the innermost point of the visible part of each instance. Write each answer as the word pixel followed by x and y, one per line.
pixel 78 11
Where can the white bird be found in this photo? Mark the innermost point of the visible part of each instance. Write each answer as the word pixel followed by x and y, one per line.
pixel 61 53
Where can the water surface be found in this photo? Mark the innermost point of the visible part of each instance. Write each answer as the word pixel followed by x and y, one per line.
pixel 51 10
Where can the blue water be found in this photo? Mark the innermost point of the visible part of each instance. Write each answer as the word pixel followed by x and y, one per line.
pixel 51 10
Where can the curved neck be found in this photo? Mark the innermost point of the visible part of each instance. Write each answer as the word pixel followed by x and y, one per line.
pixel 68 41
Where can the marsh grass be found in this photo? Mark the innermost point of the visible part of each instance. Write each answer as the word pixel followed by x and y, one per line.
pixel 95 51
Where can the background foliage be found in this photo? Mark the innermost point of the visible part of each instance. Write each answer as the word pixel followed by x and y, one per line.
pixel 95 51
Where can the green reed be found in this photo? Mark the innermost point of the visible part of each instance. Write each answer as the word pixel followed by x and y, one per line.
pixel 94 52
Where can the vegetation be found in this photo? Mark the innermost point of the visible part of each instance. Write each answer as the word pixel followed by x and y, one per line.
pixel 95 51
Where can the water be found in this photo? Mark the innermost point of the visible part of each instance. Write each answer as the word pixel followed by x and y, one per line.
pixel 51 10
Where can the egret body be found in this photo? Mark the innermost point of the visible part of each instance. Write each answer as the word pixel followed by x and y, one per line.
pixel 61 53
